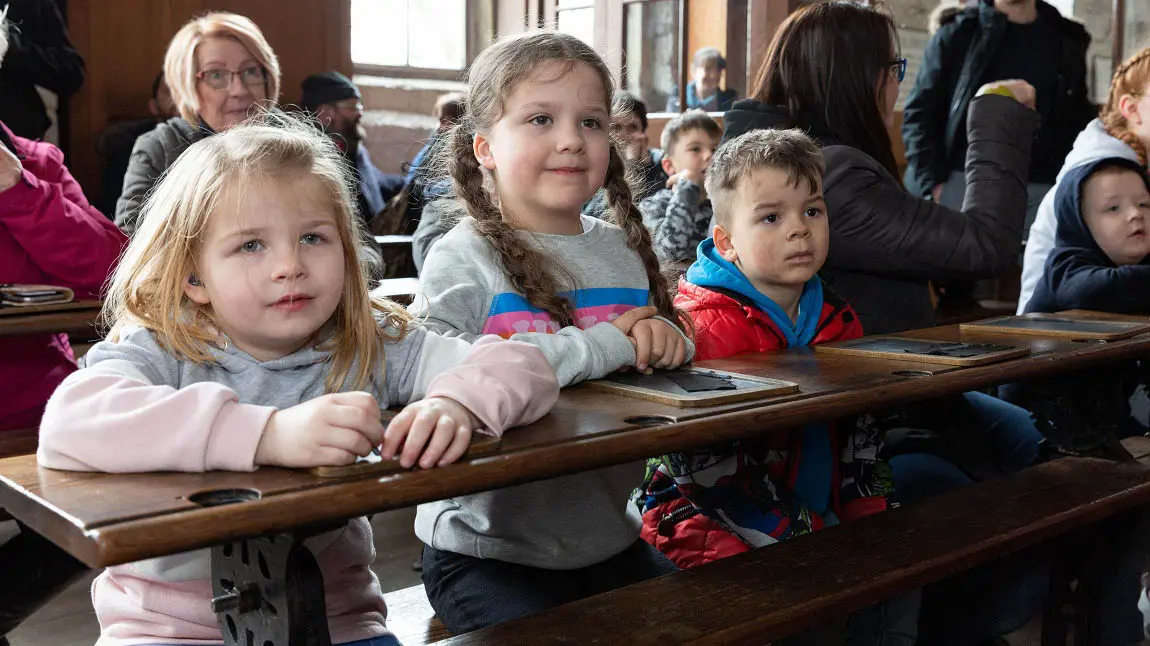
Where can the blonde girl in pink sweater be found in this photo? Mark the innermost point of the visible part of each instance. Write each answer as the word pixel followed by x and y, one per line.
pixel 242 335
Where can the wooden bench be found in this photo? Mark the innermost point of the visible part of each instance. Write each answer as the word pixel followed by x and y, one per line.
pixel 787 588
pixel 22 441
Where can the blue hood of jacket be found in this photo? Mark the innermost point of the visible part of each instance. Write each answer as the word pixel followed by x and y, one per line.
pixel 712 270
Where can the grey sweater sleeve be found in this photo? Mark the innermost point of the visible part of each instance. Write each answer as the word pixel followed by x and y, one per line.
pixel 143 172
pixel 433 225
pixel 677 219
pixel 461 278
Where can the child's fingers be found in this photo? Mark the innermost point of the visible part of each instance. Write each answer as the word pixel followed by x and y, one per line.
pixel 642 335
pixel 396 433
pixel 458 447
pixel 346 439
pixel 680 353
pixel 364 420
pixel 417 437
pixel 441 438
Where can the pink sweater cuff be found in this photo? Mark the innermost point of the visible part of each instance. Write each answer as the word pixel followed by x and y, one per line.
pixel 235 436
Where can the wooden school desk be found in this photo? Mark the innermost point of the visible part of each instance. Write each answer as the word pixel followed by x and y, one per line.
pixel 106 519
pixel 77 316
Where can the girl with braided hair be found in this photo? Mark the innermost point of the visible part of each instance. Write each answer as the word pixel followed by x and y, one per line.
pixel 1122 129
pixel 525 264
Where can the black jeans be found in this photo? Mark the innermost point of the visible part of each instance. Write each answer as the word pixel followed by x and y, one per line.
pixel 469 593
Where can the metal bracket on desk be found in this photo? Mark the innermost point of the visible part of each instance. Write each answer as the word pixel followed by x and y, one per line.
pixel 268 591
pixel 1081 413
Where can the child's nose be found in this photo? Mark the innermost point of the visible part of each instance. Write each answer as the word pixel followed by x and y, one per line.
pixel 288 266
pixel 571 139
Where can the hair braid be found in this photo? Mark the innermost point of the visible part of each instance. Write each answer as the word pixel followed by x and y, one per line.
pixel 525 267
pixel 630 219
pixel 1130 78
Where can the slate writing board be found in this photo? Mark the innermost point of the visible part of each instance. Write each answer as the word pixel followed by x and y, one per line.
pixel 925 350
pixel 693 387
pixel 1053 325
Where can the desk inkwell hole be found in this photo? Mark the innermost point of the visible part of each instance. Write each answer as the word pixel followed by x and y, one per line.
pixel 1094 341
pixel 217 497
pixel 912 373
pixel 648 421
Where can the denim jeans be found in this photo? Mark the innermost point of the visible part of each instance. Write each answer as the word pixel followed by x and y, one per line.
pixel 469 593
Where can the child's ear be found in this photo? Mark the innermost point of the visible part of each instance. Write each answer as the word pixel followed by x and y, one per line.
pixel 723 244
pixel 1128 106
pixel 482 148
pixel 196 291
pixel 667 164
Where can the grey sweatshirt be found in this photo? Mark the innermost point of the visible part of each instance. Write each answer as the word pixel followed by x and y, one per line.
pixel 678 220
pixel 564 523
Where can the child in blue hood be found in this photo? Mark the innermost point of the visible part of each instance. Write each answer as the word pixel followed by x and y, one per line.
pixel 1102 241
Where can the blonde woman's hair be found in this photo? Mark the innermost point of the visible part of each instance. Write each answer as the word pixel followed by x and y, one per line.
pixel 147 288
pixel 180 60
pixel 1130 78
pixel 492 78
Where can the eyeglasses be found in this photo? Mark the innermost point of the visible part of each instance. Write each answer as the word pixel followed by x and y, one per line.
pixel 901 63
pixel 220 79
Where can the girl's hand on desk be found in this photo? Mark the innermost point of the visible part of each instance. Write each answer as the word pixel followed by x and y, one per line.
pixel 657 345
pixel 325 431
pixel 437 428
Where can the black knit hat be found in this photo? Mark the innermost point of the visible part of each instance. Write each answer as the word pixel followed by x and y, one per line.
pixel 327 87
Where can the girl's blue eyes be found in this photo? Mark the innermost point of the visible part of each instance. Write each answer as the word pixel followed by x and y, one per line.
pixel 253 246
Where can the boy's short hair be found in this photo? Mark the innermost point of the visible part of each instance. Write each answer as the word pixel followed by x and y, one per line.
pixel 789 151
pixel 626 103
pixel 694 119
pixel 705 55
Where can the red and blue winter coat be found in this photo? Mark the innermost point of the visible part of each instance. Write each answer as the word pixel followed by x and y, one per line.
pixel 725 499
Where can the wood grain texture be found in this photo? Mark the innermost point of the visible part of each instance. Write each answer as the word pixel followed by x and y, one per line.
pixel 106 519
pixel 1128 328
pixel 779 590
pixel 25 310
pixel 80 322
pixel 853 348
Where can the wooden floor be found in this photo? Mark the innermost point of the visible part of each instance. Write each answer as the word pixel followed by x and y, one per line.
pixel 70 621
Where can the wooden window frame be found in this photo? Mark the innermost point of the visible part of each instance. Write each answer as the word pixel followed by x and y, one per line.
pixel 476 41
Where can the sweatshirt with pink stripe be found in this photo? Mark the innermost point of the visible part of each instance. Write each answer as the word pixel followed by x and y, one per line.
pixel 135 408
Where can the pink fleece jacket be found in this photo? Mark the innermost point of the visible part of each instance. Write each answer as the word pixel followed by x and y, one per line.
pixel 136 409
pixel 49 233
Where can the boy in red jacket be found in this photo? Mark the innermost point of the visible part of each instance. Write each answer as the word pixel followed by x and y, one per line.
pixel 754 288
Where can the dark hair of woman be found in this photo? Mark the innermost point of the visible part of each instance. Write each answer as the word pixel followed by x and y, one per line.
pixel 826 66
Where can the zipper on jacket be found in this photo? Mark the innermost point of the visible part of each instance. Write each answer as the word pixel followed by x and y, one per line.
pixel 666 526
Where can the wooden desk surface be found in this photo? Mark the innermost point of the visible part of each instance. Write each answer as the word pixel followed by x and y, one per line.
pixel 105 519
pixel 76 316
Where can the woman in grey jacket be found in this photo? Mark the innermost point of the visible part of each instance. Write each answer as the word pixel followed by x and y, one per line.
pixel 218 66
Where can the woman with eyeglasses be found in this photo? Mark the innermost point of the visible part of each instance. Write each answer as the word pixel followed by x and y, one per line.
pixel 833 69
pixel 218 67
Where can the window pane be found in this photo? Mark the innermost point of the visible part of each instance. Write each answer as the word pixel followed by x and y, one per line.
pixel 651 44
pixel 579 23
pixel 438 34
pixel 367 46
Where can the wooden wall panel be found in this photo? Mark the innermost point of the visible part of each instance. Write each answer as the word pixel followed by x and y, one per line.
pixel 707 26
pixel 123 44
